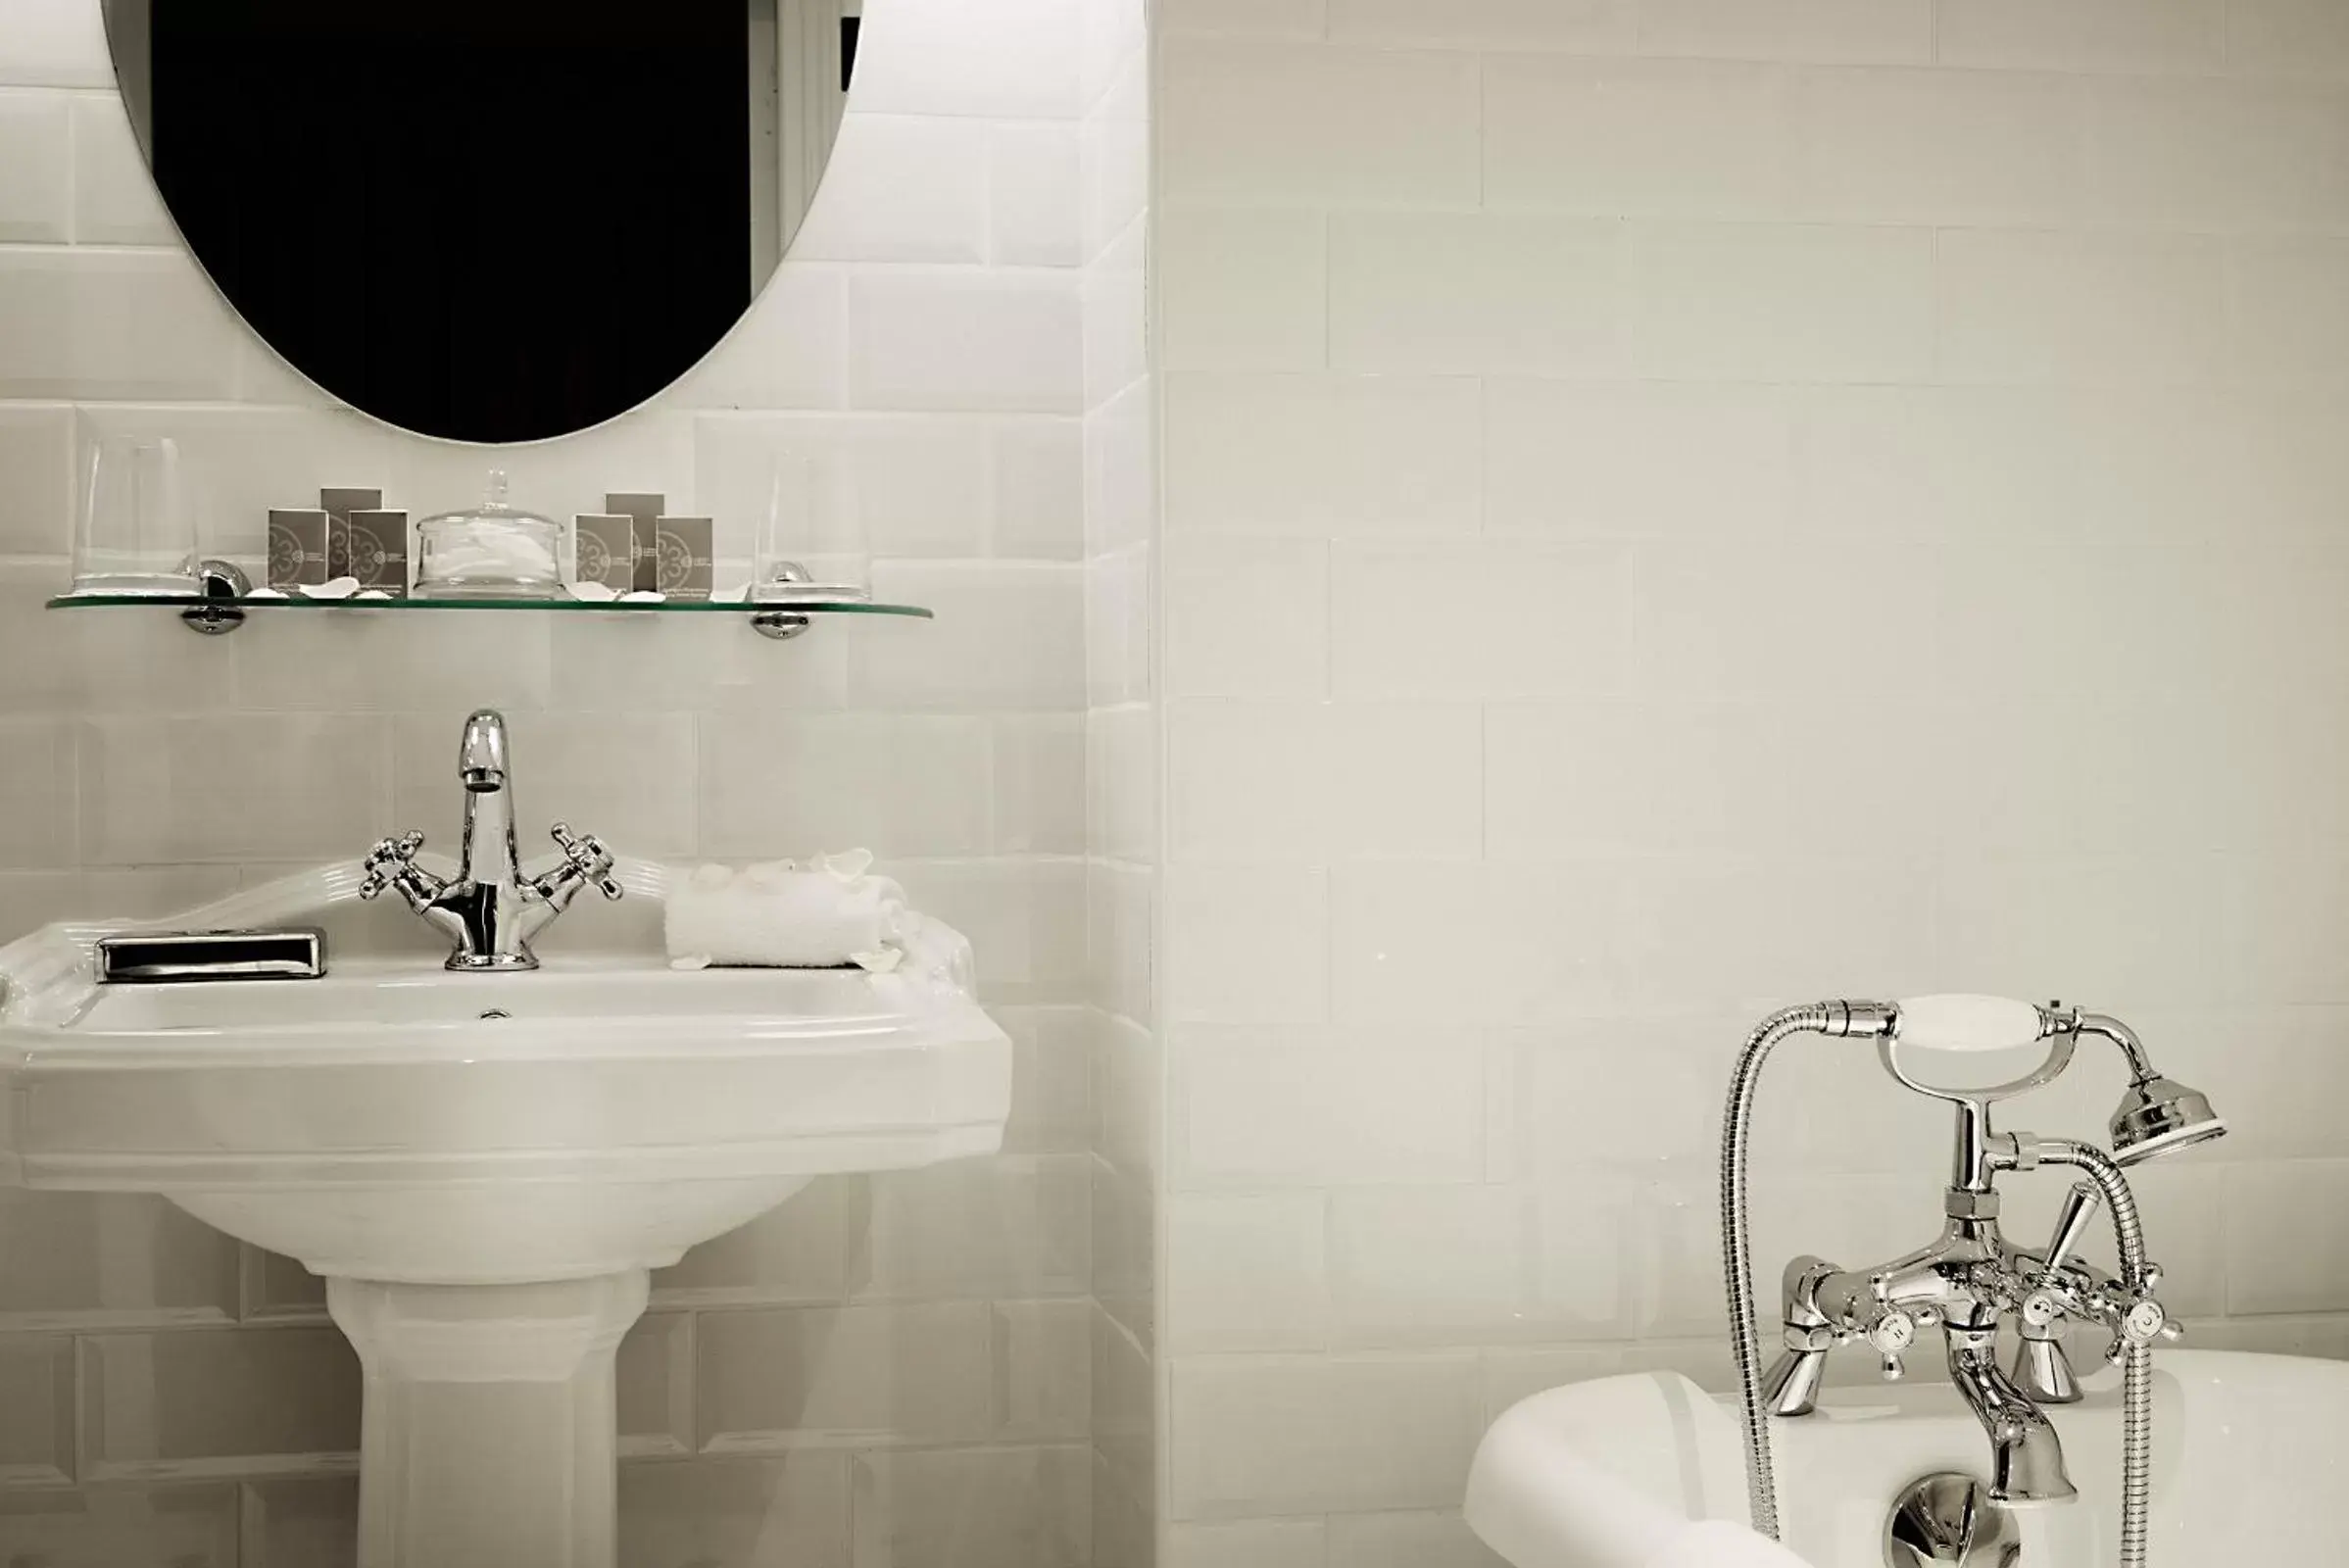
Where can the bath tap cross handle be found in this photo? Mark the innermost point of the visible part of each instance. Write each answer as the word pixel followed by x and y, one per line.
pixel 588 855
pixel 1891 1334
pixel 389 859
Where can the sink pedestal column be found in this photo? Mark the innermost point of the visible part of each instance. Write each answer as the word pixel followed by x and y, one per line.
pixel 489 1434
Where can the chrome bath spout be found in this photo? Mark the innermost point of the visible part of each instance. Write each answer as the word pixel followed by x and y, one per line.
pixel 2027 1458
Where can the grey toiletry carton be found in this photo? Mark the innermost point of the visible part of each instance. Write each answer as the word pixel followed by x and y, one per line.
pixel 606 548
pixel 646 508
pixel 297 547
pixel 681 551
pixel 338 504
pixel 378 550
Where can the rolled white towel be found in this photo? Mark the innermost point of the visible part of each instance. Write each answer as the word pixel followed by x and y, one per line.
pixel 1721 1543
pixel 786 914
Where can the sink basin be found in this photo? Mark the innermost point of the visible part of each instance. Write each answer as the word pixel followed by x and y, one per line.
pixel 486 1167
pixel 396 1121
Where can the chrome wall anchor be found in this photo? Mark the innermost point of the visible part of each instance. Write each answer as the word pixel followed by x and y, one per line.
pixel 226 582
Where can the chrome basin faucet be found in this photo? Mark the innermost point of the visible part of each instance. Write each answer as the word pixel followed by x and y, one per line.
pixel 490 911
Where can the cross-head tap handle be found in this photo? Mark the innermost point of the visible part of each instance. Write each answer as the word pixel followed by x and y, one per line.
pixel 388 859
pixel 587 853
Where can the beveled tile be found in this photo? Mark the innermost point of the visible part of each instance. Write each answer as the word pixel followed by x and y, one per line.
pixel 1125 1260
pixel 796 1252
pixel 115 200
pixel 796 1376
pixel 1026 920
pixel 97 1260
pixel 235 1402
pixel 1052 1080
pixel 656 1374
pixel 807 785
pixel 109 323
pixel 229 787
pixel 166 1527
pixel 1043 1369
pixel 33 680
pixel 958 662
pixel 276 1287
pixel 790 1511
pixel 973 1509
pixel 38 804
pixel 36 505
pixel 1008 1226
pixel 302 1524
pixel 37 1409
pixel 1125 1528
pixel 1039 784
pixel 1261 1434
pixel 36 168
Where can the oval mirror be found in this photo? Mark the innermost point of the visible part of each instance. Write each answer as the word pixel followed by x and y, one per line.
pixel 487 220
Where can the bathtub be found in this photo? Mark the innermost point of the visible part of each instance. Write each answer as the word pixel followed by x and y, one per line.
pixel 2250 1465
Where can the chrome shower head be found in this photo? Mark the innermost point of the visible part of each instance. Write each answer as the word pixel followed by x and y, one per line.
pixel 2160 1116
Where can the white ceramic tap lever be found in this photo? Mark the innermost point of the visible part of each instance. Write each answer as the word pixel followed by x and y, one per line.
pixel 1967 1023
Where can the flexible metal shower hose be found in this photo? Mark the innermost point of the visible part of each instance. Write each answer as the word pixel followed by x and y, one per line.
pixel 1736 1251
pixel 2136 1375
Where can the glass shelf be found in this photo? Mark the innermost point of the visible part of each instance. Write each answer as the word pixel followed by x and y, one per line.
pixel 666 606
pixel 215 615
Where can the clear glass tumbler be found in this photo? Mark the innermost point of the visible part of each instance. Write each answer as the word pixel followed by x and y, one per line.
pixel 135 533
pixel 810 548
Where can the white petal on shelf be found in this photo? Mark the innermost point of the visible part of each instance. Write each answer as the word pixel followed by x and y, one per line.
pixel 849 864
pixel 339 588
pixel 594 593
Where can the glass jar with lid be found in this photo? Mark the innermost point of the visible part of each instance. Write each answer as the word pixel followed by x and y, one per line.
pixel 492 550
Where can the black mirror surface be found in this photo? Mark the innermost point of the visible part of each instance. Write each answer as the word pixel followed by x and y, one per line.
pixel 487 220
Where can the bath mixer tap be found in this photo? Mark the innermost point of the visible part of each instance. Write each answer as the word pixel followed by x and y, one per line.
pixel 490 909
pixel 1966 1282
pixel 1971 1280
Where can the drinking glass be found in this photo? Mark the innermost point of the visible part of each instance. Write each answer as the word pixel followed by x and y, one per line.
pixel 135 533
pixel 809 549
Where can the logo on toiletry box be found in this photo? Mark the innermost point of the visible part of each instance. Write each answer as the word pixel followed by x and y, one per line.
pixel 605 543
pixel 643 508
pixel 297 547
pixel 684 568
pixel 339 504
pixel 378 550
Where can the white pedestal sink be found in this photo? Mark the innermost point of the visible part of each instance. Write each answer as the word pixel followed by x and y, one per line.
pixel 485 1168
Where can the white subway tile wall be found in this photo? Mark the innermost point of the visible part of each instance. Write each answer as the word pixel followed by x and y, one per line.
pixel 1122 1377
pixel 899 1373
pixel 1655 491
